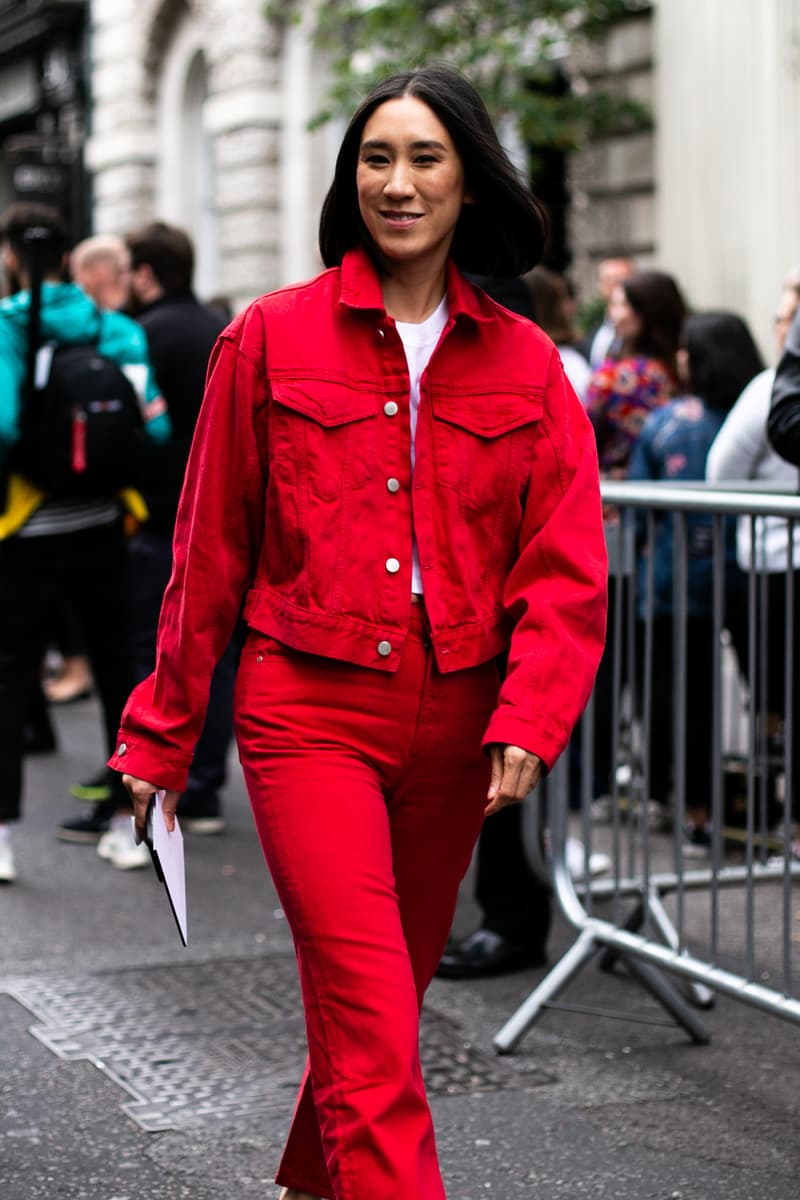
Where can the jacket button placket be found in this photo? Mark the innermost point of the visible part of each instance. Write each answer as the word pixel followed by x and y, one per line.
pixel 396 446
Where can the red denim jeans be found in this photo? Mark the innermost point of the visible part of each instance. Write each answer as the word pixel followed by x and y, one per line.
pixel 368 792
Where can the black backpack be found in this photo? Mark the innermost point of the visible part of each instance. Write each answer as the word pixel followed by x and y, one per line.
pixel 81 426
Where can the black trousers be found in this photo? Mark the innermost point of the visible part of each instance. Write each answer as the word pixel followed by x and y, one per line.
pixel 514 901
pixel 88 570
pixel 150 567
pixel 695 699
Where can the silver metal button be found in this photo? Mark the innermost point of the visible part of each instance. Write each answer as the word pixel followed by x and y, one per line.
pixel 381 334
pixel 384 649
pixel 122 748
pixel 393 485
pixel 390 408
pixel 392 566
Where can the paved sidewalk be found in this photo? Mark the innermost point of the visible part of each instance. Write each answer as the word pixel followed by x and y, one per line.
pixel 159 1073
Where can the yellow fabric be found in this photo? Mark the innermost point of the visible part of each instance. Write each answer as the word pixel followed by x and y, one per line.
pixel 24 498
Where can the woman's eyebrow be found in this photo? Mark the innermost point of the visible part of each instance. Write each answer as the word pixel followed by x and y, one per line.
pixel 379 144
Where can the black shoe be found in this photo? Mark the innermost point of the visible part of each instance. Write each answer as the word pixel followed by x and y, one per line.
pixel 88 829
pixel 93 790
pixel 199 812
pixel 485 953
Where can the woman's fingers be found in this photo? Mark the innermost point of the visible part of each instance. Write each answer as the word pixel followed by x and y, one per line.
pixel 515 772
pixel 140 792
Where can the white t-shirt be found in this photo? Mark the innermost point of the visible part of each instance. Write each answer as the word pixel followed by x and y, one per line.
pixel 419 342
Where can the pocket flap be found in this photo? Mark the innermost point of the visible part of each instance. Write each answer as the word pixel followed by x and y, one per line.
pixel 328 403
pixel 490 414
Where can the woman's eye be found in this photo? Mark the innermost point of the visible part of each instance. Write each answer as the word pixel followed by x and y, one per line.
pixel 376 159
pixel 425 160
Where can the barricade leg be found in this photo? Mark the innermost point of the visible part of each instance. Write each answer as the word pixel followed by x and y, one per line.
pixel 666 994
pixel 697 994
pixel 554 982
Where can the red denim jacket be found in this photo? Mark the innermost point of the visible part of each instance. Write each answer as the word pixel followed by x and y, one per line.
pixel 299 497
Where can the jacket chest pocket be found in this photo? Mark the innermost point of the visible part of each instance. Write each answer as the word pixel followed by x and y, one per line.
pixel 323 436
pixel 483 444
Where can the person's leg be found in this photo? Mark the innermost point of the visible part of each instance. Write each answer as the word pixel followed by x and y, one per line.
pixel 73 679
pixel 369 886
pixel 515 905
pixel 514 901
pixel 30 579
pixel 698 701
pixel 199 807
pixel 662 699
pixel 149 564
pixel 319 806
pixel 96 586
pixel 97 590
pixel 149 567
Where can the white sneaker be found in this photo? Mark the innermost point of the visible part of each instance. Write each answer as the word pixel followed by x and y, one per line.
pixel 106 843
pixel 119 848
pixel 8 871
pixel 599 863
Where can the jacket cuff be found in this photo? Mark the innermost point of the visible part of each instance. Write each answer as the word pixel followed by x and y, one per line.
pixel 147 759
pixel 538 734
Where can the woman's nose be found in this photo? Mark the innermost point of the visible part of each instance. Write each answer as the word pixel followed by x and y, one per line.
pixel 400 182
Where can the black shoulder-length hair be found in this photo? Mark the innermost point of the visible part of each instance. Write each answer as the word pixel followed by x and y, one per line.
pixel 502 233
pixel 723 357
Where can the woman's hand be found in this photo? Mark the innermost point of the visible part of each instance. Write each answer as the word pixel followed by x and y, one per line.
pixel 141 792
pixel 515 773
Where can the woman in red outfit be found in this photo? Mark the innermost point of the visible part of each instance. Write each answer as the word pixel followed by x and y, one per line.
pixel 392 472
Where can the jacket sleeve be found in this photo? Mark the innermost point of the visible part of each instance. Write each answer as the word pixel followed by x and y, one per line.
pixel 218 536
pixel 12 376
pixel 556 592
pixel 741 441
pixel 783 424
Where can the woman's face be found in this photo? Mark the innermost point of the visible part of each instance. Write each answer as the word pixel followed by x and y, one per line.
pixel 410 183
pixel 627 323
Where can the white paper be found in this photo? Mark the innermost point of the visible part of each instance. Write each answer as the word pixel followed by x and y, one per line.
pixel 167 850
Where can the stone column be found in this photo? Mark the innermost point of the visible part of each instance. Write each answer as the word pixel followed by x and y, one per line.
pixel 244 114
pixel 120 153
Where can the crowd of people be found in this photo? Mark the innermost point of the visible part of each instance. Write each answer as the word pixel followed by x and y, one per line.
pixel 83 571
pixel 371 502
pixel 672 395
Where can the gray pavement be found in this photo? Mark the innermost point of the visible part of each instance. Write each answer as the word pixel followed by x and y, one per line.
pixel 133 1069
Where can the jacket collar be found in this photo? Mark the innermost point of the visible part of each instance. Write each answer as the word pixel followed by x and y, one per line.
pixel 361 288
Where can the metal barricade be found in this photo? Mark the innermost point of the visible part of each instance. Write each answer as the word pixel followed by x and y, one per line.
pixel 684 929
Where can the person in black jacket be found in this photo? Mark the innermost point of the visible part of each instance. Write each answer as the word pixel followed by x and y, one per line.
pixel 783 423
pixel 181 332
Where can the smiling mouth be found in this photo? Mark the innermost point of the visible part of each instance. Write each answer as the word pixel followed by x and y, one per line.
pixel 403 217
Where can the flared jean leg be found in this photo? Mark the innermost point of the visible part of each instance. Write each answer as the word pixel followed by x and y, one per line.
pixel 366 851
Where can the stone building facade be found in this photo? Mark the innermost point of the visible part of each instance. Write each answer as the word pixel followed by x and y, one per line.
pixel 612 182
pixel 199 118
pixel 199 112
pixel 712 192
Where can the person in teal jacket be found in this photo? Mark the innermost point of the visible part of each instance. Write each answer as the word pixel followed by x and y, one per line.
pixel 69 316
pixel 66 547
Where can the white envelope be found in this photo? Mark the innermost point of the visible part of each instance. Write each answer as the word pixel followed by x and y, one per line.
pixel 166 851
